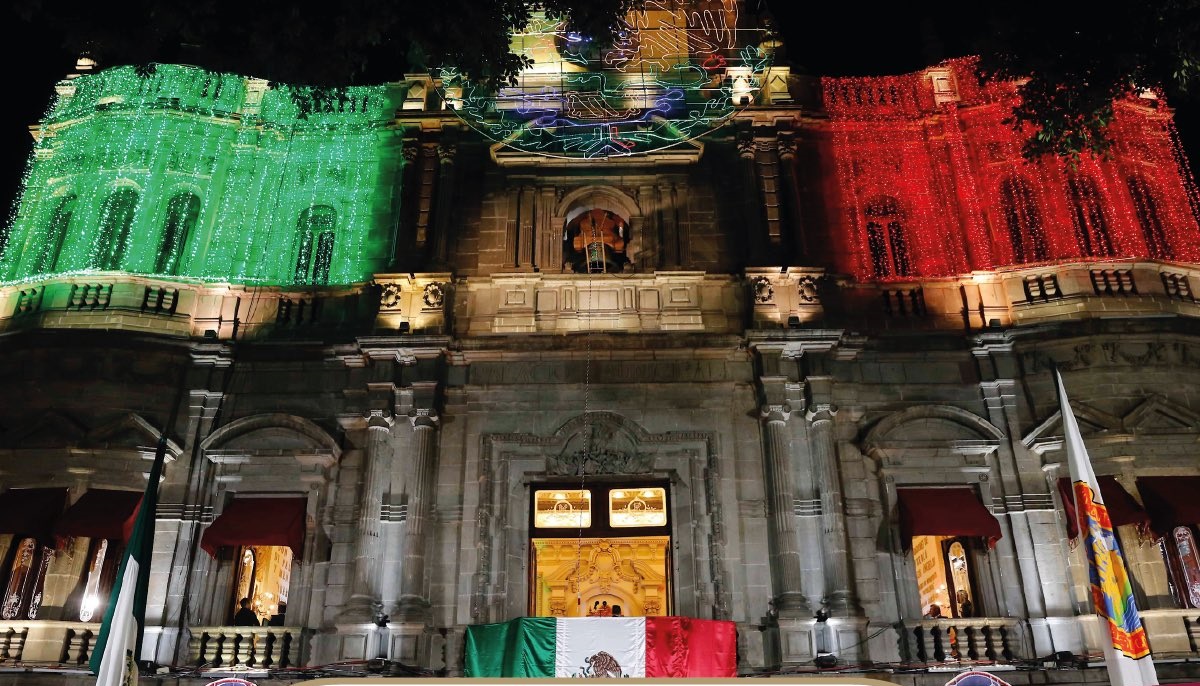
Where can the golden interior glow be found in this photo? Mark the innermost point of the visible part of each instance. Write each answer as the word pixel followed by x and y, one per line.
pixel 647 508
pixel 562 509
pixel 591 576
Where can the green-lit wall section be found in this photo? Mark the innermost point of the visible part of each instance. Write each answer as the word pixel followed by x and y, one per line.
pixel 181 172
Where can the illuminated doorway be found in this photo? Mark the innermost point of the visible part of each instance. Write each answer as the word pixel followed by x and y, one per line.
pixel 263 575
pixel 604 550
pixel 944 576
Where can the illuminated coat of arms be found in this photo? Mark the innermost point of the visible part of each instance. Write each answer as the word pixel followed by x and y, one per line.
pixel 673 71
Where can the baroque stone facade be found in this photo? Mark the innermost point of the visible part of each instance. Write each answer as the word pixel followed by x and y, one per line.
pixel 746 355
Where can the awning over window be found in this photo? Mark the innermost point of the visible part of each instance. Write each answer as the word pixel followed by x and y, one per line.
pixel 31 511
pixel 258 521
pixel 945 512
pixel 1171 501
pixel 1122 508
pixel 100 513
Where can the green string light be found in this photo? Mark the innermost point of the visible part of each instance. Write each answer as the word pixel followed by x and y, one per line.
pixel 206 176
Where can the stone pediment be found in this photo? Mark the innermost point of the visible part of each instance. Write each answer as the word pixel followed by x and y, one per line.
pixel 1090 420
pixel 1159 415
pixel 51 429
pixel 1155 415
pixel 128 432
pixel 931 425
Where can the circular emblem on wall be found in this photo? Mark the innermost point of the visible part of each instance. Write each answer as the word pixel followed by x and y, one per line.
pixel 673 71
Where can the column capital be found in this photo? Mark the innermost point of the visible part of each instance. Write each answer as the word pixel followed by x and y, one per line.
pixel 823 412
pixel 776 413
pixel 379 419
pixel 424 418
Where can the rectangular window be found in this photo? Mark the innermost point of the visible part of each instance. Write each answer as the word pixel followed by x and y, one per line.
pixel 637 507
pixel 562 509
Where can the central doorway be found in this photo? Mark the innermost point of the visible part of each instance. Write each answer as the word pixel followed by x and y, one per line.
pixel 603 550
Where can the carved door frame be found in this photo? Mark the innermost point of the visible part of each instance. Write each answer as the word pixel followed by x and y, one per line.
pixel 509 463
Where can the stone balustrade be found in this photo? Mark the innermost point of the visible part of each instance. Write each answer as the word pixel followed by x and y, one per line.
pixel 46 642
pixel 976 639
pixel 257 647
pixel 561 303
pixel 183 307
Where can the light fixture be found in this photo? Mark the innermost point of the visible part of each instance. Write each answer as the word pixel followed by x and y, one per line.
pixel 560 496
pixel 618 494
pixel 647 494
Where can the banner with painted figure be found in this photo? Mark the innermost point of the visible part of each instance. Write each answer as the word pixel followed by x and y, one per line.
pixel 1127 654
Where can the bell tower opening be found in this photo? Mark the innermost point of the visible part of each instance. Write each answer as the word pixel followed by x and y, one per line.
pixel 602 550
pixel 595 242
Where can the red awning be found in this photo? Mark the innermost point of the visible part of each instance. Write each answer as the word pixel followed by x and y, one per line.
pixel 945 512
pixel 258 521
pixel 1122 508
pixel 31 511
pixel 1171 501
pixel 100 513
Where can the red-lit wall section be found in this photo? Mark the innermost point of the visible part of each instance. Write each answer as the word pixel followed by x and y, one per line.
pixel 930 182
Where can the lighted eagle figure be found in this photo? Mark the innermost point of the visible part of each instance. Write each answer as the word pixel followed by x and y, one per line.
pixel 672 72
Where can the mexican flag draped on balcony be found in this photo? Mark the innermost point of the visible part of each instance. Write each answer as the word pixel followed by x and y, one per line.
pixel 603 647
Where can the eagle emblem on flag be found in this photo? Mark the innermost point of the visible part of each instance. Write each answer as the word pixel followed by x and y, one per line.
pixel 600 666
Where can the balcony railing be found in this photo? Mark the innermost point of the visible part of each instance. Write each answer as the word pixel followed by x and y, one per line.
pixel 255 647
pixel 42 642
pixel 968 640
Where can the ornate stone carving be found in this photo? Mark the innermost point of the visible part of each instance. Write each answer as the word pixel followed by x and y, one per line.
pixel 807 287
pixel 410 152
pixel 446 152
pixel 763 292
pixel 599 461
pixel 390 297
pixel 434 295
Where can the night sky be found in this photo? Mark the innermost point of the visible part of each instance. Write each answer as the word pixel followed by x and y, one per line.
pixel 836 39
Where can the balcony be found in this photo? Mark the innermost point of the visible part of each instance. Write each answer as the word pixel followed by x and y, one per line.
pixel 250 647
pixel 183 307
pixel 1097 289
pixel 981 639
pixel 46 642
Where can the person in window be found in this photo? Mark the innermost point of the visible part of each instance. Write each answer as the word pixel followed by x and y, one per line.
pixel 277 619
pixel 616 610
pixel 595 609
pixel 605 610
pixel 245 616
pixel 935 612
pixel 965 607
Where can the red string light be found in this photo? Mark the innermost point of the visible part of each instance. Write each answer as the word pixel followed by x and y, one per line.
pixel 966 198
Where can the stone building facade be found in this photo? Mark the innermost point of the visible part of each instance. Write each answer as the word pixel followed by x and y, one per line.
pixel 849 290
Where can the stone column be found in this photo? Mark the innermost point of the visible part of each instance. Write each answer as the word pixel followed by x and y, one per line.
pixel 840 596
pixel 413 606
pixel 789 598
pixel 446 152
pixel 548 256
pixel 368 546
pixel 794 242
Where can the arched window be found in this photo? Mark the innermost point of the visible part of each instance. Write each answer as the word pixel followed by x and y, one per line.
pixel 1145 203
pixel 596 241
pixel 182 211
pixel 1091 226
pixel 1024 221
pixel 885 238
pixel 56 232
pixel 116 221
pixel 315 228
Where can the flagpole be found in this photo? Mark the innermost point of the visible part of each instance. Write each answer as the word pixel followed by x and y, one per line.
pixel 113 659
pixel 1127 655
